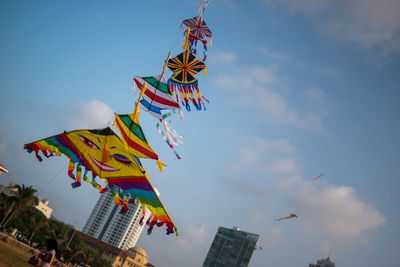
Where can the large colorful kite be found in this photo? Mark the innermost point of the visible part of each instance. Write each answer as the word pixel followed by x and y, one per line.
pixel 102 153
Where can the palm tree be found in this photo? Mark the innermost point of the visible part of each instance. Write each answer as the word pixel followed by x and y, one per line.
pixel 36 224
pixel 75 250
pixel 24 197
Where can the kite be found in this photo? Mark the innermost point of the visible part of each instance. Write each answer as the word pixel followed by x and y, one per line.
pixel 292 215
pixel 133 136
pixel 3 169
pixel 101 152
pixel 185 66
pixel 199 31
pixel 316 178
pixel 158 97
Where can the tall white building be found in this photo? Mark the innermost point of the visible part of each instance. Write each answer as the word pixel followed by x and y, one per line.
pixel 107 224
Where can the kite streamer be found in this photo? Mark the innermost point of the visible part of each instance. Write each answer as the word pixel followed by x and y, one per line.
pixel 170 136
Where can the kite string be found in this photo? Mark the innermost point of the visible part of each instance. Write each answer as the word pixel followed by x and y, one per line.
pixel 51 180
pixel 110 122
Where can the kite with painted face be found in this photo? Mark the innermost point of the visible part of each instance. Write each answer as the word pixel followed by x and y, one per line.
pixel 102 153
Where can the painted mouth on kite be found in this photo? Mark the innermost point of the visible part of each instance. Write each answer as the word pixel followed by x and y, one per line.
pixel 103 167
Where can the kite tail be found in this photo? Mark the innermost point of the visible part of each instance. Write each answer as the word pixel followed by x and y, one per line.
pixel 192 45
pixel 155 220
pixel 209 42
pixel 94 183
pixel 169 136
pixel 119 199
pixel 200 8
pixel 151 222
pixel 180 114
pixel 160 165
pixel 77 177
pixel 204 51
pixel 44 148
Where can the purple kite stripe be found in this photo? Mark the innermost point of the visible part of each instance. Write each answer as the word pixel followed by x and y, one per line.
pixel 130 185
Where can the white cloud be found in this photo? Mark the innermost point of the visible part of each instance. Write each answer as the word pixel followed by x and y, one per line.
pixel 253 175
pixel 281 145
pixel 334 212
pixel 248 156
pixel 368 23
pixel 3 147
pixel 272 239
pixel 282 166
pixel 257 146
pixel 259 216
pixel 329 213
pixel 93 114
pixel 247 77
pixel 183 250
pixel 192 237
pixel 315 95
pixel 254 88
pixel 289 59
pixel 223 58
pixel 274 55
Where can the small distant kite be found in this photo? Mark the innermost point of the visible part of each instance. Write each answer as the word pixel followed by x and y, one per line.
pixel 316 178
pixel 3 169
pixel 292 215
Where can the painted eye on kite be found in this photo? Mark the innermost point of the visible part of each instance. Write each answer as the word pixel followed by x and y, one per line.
pixel 121 158
pixel 87 142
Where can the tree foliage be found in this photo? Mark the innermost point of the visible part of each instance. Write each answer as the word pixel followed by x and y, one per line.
pixel 17 212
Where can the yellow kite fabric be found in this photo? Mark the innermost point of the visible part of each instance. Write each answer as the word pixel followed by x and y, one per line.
pixel 132 134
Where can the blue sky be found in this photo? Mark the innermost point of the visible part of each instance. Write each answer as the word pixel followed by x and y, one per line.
pixel 295 89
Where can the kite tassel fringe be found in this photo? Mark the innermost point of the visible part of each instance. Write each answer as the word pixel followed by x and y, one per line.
pixel 186 92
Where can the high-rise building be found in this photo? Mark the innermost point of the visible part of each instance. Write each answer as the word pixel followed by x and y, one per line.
pixel 323 263
pixel 231 248
pixel 107 224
